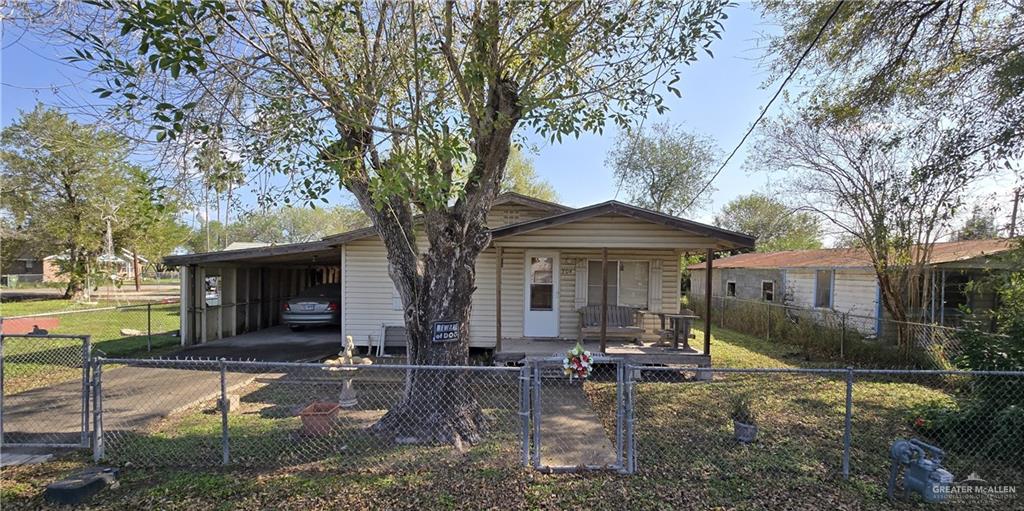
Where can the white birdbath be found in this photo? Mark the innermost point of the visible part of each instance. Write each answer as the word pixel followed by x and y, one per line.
pixel 343 365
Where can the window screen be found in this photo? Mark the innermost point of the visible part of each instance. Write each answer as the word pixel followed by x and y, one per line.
pixel 594 282
pixel 768 291
pixel 823 288
pixel 634 283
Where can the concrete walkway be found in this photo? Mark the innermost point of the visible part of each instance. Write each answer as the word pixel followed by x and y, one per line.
pixel 571 433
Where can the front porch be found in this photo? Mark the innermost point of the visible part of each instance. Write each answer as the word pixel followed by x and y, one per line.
pixel 518 351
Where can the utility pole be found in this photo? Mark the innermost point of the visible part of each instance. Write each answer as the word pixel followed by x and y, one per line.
pixel 1013 215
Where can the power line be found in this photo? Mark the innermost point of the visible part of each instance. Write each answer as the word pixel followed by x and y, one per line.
pixel 774 97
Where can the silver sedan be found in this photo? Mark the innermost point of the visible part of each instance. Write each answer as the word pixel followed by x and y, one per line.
pixel 315 306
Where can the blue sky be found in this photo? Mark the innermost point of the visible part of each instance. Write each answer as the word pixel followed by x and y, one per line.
pixel 721 97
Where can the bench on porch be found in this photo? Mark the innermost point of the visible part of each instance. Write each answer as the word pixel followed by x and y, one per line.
pixel 623 322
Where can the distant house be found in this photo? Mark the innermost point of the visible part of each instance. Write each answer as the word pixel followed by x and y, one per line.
pixel 24 267
pixel 843 280
pixel 119 265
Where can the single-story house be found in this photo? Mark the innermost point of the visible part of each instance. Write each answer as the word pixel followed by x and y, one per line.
pixel 543 265
pixel 843 280
pixel 120 265
pixel 23 267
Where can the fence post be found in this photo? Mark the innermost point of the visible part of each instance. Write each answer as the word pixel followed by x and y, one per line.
pixel 536 415
pixel 224 403
pixel 619 415
pixel 98 446
pixel 149 327
pixel 86 363
pixel 629 398
pixel 768 321
pixel 524 412
pixel 848 424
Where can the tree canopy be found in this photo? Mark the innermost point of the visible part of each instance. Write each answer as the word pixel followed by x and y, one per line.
pixel 775 225
pixel 664 168
pixel 65 183
pixel 521 177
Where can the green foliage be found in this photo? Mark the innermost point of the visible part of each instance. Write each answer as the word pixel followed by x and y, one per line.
pixel 664 168
pixel 775 225
pixel 980 225
pixel 63 181
pixel 521 177
pixel 327 98
pixel 741 410
pixel 288 224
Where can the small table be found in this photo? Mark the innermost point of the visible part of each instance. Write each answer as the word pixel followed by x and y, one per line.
pixel 677 321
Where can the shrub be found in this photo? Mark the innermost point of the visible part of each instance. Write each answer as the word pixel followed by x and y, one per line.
pixel 741 410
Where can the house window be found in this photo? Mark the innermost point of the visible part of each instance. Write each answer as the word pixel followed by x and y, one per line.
pixel 396 299
pixel 768 290
pixel 730 288
pixel 628 283
pixel 28 264
pixel 823 288
pixel 634 283
pixel 542 284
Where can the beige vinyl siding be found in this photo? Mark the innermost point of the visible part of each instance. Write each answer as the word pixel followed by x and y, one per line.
pixel 367 301
pixel 612 231
pixel 507 214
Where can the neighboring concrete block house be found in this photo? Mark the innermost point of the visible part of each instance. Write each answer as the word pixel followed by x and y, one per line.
pixel 549 255
pixel 843 280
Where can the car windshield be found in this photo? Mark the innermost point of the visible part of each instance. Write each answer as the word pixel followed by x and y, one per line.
pixel 321 291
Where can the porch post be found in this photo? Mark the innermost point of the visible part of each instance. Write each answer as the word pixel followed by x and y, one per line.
pixel 498 263
pixel 707 302
pixel 604 299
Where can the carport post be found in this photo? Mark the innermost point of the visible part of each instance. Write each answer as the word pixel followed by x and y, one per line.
pixel 224 403
pixel 707 302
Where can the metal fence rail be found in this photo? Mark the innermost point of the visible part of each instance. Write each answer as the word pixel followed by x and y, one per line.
pixel 44 390
pixel 824 424
pixel 264 414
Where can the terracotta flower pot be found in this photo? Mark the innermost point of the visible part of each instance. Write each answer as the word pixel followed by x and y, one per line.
pixel 318 418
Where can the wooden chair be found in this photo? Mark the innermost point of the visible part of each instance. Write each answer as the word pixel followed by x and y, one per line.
pixel 623 322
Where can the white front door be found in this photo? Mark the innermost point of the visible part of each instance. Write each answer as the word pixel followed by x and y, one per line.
pixel 541 293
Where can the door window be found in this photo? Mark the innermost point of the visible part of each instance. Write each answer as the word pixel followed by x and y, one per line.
pixel 542 284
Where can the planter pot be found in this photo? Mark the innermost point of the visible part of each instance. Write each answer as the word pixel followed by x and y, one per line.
pixel 318 418
pixel 745 433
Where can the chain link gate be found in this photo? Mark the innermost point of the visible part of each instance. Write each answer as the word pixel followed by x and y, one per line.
pixel 44 390
pixel 575 427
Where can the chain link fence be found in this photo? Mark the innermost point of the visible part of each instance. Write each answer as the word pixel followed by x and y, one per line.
pixel 120 331
pixel 265 414
pixel 847 337
pixel 821 428
pixel 44 389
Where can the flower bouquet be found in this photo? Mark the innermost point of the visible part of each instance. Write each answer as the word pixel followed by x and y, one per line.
pixel 576 363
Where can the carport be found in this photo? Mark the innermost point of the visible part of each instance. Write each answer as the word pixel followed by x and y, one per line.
pixel 232 292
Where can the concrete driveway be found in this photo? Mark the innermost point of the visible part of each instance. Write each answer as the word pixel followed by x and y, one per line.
pixel 275 344
pixel 135 396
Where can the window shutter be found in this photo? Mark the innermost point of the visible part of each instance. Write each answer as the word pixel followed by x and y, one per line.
pixel 581 283
pixel 654 287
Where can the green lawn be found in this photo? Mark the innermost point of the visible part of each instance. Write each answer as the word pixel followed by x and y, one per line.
pixel 686 456
pixel 31 363
pixel 27 307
